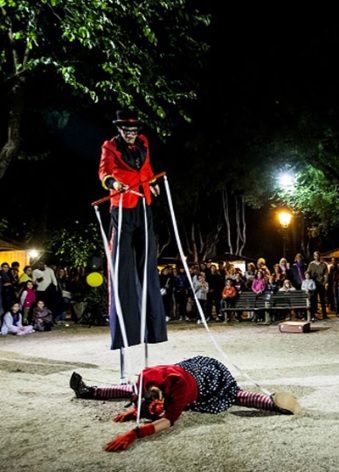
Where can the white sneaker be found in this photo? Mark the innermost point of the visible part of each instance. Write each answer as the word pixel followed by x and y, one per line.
pixel 199 321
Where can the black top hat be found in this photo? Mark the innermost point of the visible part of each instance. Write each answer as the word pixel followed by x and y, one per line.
pixel 126 118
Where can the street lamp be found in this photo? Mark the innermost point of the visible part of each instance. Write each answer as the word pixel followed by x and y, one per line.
pixel 284 220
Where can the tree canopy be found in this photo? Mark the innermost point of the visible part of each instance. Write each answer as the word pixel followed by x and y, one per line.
pixel 135 54
pixel 270 109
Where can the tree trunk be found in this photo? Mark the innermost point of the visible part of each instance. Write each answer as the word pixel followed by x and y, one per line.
pixel 227 219
pixel 239 229
pixel 11 148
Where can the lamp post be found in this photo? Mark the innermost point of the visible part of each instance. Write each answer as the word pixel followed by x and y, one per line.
pixel 284 220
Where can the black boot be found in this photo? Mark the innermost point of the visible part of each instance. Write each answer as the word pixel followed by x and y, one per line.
pixel 80 388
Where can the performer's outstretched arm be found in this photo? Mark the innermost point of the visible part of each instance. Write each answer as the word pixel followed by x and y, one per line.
pixel 123 441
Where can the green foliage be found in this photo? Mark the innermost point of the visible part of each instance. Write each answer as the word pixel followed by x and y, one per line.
pixel 74 246
pixel 139 54
pixel 313 197
pixel 97 300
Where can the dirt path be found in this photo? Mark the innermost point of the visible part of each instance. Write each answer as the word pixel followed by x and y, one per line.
pixel 45 429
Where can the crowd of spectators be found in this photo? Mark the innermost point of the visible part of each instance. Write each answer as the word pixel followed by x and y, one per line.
pixel 222 282
pixel 58 295
pixel 39 298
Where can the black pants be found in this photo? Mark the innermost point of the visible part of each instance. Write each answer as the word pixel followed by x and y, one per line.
pixel 130 266
pixel 321 292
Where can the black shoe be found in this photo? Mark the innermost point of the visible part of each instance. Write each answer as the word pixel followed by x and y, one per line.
pixel 80 388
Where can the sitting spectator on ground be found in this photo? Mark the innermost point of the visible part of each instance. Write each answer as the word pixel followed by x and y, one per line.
pixel 12 322
pixel 42 317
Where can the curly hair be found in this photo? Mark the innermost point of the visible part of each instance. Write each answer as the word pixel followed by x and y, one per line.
pixel 151 405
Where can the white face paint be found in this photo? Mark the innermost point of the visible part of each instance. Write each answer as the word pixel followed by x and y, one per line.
pixel 128 134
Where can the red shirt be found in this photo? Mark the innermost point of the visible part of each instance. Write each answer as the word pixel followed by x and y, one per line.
pixel 30 298
pixel 229 292
pixel 179 388
pixel 113 165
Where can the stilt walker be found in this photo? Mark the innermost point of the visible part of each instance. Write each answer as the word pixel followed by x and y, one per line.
pixel 134 288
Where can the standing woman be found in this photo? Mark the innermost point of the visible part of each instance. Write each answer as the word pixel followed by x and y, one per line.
pixel 125 165
pixel 299 268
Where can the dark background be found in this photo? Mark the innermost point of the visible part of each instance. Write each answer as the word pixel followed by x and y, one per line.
pixel 260 73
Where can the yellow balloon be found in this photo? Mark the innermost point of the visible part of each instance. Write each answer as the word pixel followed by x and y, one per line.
pixel 94 279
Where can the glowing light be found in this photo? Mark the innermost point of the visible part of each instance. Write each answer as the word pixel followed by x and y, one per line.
pixel 284 218
pixel 286 181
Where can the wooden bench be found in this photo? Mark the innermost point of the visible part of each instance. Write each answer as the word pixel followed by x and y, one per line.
pixel 249 302
pixel 296 300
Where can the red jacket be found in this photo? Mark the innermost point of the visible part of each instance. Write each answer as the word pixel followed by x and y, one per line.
pixel 179 387
pixel 229 292
pixel 113 165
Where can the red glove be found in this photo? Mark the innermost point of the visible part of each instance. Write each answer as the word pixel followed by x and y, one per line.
pixel 122 442
pixel 128 416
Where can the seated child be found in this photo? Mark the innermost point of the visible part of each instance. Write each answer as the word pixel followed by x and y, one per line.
pixel 42 317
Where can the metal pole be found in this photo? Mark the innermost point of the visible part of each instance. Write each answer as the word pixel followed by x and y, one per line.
pixel 146 355
pixel 122 366
pixel 284 242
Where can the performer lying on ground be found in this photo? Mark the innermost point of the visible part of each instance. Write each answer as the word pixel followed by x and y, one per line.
pixel 201 384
